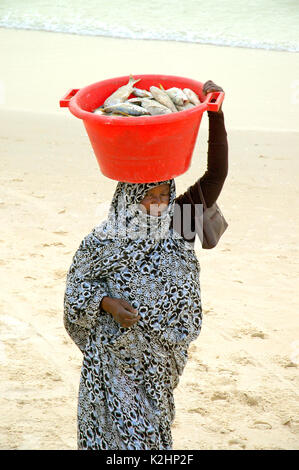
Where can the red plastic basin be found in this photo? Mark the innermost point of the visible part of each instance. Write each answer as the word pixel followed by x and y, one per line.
pixel 141 149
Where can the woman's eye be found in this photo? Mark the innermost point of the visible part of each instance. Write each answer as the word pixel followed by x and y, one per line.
pixel 150 196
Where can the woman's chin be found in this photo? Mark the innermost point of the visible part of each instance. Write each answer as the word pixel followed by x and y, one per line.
pixel 156 213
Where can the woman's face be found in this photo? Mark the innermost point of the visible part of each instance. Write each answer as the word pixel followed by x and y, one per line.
pixel 156 200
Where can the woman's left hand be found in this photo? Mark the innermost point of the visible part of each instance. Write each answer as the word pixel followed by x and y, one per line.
pixel 209 87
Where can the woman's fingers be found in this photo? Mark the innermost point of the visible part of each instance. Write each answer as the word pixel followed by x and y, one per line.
pixel 128 306
pixel 129 319
pixel 125 314
pixel 129 315
pixel 210 86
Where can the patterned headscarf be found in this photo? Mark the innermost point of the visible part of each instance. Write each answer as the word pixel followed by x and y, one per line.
pixel 127 220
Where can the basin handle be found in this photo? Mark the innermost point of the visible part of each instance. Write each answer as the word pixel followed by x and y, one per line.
pixel 214 100
pixel 65 100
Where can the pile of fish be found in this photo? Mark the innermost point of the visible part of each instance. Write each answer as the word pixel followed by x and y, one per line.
pixel 151 102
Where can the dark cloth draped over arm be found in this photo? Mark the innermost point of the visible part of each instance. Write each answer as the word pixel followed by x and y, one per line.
pixel 212 181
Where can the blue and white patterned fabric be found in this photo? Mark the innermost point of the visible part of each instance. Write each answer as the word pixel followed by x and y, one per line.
pixel 128 374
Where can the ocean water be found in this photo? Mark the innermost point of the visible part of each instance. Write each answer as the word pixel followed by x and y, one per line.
pixel 261 24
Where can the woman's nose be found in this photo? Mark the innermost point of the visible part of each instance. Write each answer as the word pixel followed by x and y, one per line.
pixel 156 200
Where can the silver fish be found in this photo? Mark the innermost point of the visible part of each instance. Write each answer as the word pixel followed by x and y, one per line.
pixel 154 107
pixel 99 110
pixel 185 106
pixel 134 101
pixel 192 97
pixel 177 95
pixel 163 98
pixel 122 93
pixel 126 108
pixel 142 93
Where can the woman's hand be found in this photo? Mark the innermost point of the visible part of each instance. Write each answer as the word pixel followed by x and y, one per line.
pixel 209 87
pixel 122 312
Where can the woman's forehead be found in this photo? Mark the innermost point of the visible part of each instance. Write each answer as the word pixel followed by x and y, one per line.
pixel 162 186
pixel 135 192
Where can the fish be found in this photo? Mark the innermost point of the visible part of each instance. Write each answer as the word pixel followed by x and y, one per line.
pixel 142 93
pixel 185 106
pixel 134 101
pixel 163 98
pixel 122 93
pixel 192 97
pixel 126 108
pixel 177 95
pixel 99 110
pixel 154 107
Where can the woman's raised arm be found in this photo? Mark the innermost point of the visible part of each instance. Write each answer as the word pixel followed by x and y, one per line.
pixel 212 181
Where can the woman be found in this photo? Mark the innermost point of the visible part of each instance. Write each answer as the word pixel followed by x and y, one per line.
pixel 132 306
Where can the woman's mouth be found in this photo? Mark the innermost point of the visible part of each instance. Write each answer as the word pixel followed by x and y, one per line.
pixel 157 210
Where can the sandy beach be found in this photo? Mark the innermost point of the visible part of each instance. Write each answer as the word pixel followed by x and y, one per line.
pixel 240 387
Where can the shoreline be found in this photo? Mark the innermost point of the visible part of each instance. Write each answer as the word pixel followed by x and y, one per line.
pixel 151 39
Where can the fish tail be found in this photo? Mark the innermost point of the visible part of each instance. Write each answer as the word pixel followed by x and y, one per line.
pixel 132 81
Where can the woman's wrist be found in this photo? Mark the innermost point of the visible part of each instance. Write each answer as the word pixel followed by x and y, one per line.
pixel 212 114
pixel 105 303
